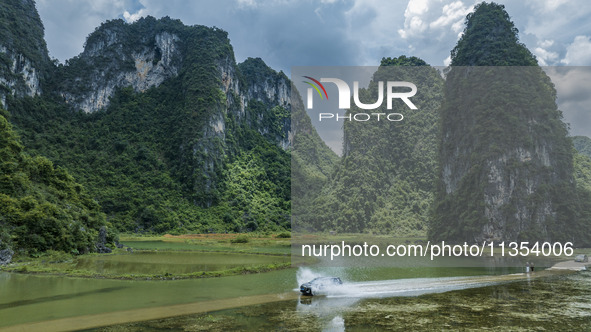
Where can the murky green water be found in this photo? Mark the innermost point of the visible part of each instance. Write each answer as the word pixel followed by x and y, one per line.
pixel 561 303
pixel 173 262
pixel 29 298
pixel 33 298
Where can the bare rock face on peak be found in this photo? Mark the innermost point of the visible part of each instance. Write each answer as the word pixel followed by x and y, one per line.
pixel 116 56
pixel 24 59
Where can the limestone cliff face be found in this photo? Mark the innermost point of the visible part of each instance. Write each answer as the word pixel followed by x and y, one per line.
pixel 509 188
pixel 273 90
pixel 23 53
pixel 217 103
pixel 20 77
pixel 168 103
pixel 111 60
pixel 253 96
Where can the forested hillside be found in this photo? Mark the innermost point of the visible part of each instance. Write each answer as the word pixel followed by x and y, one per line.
pixel 41 205
pixel 162 126
pixel 384 181
pixel 582 145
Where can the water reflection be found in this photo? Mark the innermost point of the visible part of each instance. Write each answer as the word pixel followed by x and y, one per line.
pixel 58 297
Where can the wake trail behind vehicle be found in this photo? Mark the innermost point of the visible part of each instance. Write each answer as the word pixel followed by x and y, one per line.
pixel 403 287
pixel 409 287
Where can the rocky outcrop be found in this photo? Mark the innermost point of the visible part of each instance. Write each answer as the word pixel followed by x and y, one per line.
pixel 109 65
pixel 253 96
pixel 272 89
pixel 174 106
pixel 20 77
pixel 5 254
pixel 113 59
pixel 506 163
pixel 101 245
pixel 23 52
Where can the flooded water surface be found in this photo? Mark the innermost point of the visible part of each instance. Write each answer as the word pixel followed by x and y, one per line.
pixel 555 303
pixel 369 299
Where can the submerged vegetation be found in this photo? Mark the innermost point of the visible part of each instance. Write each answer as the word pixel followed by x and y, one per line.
pixel 553 303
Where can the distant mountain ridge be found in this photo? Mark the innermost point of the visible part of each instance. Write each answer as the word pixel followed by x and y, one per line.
pixel 582 145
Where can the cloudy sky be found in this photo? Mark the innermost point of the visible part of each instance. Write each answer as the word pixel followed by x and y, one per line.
pixel 333 32
pixel 288 33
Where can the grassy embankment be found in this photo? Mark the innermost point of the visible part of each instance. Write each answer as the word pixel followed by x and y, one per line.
pixel 60 263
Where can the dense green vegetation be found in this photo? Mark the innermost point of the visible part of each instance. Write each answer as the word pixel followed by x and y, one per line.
pixel 490 39
pixel 384 181
pixel 199 154
pixel 151 159
pixel 21 31
pixel 312 164
pixel 123 156
pixel 41 206
pixel 582 145
pixel 506 163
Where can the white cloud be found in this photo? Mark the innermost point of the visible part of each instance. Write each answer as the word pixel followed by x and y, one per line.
pixel 417 7
pixel 433 26
pixel 545 57
pixel 413 23
pixel 130 18
pixel 551 24
pixel 546 43
pixel 453 15
pixel 579 52
pixel 447 61
pixel 550 6
pixel 424 19
pixel 246 3
pixel 356 32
